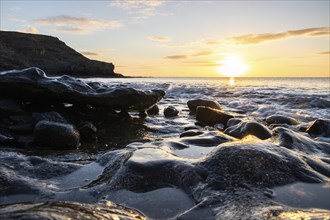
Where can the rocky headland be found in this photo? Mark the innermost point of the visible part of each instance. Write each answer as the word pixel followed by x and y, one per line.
pixel 22 50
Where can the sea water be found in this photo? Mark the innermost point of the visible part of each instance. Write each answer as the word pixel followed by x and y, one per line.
pixel 304 99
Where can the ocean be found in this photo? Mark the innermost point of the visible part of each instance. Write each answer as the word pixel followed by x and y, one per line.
pixel 304 99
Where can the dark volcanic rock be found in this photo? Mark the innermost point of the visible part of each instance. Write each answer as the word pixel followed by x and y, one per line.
pixel 154 110
pixel 87 131
pixel 319 128
pixel 190 133
pixel 233 121
pixel 61 210
pixel 55 135
pixel 8 107
pixel 21 50
pixel 210 116
pixel 34 86
pixel 258 163
pixel 280 119
pixel 295 141
pixel 208 139
pixel 193 104
pixel 170 111
pixel 249 128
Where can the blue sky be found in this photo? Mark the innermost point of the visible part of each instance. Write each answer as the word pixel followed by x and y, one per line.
pixel 185 38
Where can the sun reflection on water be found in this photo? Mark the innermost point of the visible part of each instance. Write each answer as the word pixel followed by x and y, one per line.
pixel 231 81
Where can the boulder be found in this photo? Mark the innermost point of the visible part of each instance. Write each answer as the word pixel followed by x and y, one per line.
pixel 233 121
pixel 190 133
pixel 49 116
pixel 193 104
pixel 87 131
pixel 319 127
pixel 280 119
pixel 298 142
pixel 32 85
pixel 170 111
pixel 154 110
pixel 55 135
pixel 259 163
pixel 249 128
pixel 210 116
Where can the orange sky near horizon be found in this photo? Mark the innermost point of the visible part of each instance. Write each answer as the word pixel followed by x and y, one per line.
pixel 186 38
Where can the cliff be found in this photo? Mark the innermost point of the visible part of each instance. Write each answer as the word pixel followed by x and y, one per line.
pixel 21 50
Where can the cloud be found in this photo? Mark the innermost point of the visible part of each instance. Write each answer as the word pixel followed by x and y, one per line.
pixel 213 43
pixel 201 63
pixel 159 38
pixel 80 25
pixel 259 38
pixel 88 53
pixel 31 30
pixel 176 57
pixel 140 9
pixel 324 52
pixel 202 53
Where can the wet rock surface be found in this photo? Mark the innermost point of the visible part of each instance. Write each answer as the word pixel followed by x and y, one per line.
pixel 61 112
pixel 244 128
pixel 67 210
pixel 210 116
pixel 193 104
pixel 201 172
pixel 171 111
pixel 280 119
pixel 31 85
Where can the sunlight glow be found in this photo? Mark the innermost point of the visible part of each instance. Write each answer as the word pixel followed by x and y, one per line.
pixel 232 66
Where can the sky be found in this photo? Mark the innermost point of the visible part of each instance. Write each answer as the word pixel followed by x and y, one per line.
pixel 186 38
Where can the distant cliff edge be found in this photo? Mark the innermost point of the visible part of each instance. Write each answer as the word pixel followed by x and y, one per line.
pixel 21 50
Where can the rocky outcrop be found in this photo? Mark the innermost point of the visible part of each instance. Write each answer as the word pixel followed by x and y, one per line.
pixel 21 50
pixel 36 110
pixel 32 85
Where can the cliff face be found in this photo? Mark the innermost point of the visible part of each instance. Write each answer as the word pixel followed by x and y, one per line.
pixel 21 50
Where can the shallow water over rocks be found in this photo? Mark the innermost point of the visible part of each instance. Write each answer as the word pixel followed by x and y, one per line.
pixel 205 174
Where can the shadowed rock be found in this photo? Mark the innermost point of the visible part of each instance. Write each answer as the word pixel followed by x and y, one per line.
pixel 319 128
pixel 249 128
pixel 193 104
pixel 56 135
pixel 170 111
pixel 154 110
pixel 32 85
pixel 210 116
pixel 295 141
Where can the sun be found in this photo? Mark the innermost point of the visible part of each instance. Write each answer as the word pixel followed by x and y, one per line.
pixel 232 66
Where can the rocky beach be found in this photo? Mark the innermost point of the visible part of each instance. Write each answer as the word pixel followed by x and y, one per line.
pixel 139 149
